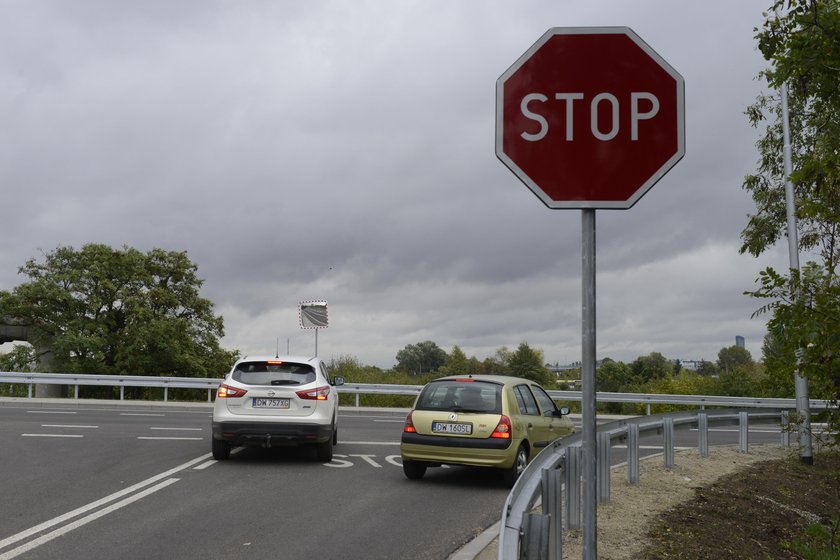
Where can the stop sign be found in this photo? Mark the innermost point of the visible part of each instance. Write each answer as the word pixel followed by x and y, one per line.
pixel 590 117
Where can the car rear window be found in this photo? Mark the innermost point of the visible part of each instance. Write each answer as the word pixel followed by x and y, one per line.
pixel 273 373
pixel 461 396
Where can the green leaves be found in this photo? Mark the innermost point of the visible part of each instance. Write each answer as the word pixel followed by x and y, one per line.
pixel 105 310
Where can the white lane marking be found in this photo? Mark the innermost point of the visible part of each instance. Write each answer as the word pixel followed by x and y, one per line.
pixel 84 520
pixel 68 426
pixel 392 421
pixel 53 435
pixel 98 503
pixel 49 412
pixel 179 429
pixel 205 465
pixel 140 414
pixel 170 438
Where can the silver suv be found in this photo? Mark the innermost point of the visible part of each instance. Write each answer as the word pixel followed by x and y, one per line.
pixel 276 401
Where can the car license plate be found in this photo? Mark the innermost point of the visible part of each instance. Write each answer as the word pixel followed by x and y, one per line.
pixel 270 403
pixel 451 428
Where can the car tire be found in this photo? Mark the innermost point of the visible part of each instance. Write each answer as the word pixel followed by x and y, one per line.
pixel 512 474
pixel 324 451
pixel 414 470
pixel 221 450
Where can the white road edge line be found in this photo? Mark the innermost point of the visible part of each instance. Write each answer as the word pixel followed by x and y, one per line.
pixel 67 426
pixel 53 435
pixel 179 429
pixel 49 412
pixel 98 503
pixel 35 543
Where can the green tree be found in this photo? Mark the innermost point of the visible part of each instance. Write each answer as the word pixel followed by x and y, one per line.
pixel 613 377
pixel 457 363
pixel 801 41
pixel 529 363
pixel 734 357
pixel 651 367
pixel 20 358
pixel 119 311
pixel 420 358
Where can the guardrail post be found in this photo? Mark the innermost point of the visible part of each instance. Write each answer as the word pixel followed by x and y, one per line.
pixel 785 428
pixel 357 400
pixel 603 467
pixel 574 459
pixel 122 392
pixel 551 506
pixel 633 453
pixel 668 442
pixel 29 393
pixel 209 395
pixel 534 537
pixel 165 394
pixel 76 391
pixel 703 433
pixel 647 409
pixel 744 432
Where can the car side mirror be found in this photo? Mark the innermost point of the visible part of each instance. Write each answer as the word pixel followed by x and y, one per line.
pixel 560 412
pixel 338 380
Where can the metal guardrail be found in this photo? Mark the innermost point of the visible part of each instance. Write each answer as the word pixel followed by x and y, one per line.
pixel 524 534
pixel 211 384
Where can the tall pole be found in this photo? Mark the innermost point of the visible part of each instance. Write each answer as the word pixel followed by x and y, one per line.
pixel 803 406
pixel 590 470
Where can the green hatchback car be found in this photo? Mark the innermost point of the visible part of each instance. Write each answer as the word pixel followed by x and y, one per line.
pixel 483 421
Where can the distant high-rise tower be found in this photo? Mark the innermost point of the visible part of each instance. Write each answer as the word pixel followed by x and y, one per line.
pixel 739 341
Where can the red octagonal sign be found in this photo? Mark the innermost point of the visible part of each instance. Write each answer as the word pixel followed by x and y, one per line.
pixel 590 117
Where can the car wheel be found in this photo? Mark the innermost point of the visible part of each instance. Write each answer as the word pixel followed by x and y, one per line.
pixel 324 451
pixel 414 470
pixel 519 464
pixel 221 450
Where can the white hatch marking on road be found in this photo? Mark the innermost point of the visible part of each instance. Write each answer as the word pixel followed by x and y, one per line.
pixel 69 426
pixel 84 520
pixel 170 438
pixel 98 503
pixel 53 435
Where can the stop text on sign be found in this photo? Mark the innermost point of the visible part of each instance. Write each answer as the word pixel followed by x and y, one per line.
pixel 643 105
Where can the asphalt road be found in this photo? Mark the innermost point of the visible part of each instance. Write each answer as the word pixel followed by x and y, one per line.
pixel 139 483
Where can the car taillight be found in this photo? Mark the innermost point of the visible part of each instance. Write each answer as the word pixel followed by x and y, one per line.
pixel 228 392
pixel 316 394
pixel 409 425
pixel 502 430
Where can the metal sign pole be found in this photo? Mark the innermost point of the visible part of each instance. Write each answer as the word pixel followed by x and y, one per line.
pixel 589 444
pixel 801 382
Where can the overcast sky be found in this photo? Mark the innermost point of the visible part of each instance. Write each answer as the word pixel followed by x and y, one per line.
pixel 344 151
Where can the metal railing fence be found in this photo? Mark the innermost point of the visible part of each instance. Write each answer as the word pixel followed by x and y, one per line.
pixel 554 476
pixel 211 384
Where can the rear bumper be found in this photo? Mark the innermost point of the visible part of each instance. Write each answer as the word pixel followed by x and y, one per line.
pixel 271 434
pixel 484 452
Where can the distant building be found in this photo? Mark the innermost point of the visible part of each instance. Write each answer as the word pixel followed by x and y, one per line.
pixel 739 342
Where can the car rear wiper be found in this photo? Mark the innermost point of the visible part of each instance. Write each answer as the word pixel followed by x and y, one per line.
pixel 284 382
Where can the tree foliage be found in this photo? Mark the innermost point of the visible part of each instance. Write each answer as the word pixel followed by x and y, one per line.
pixel 734 358
pixel 801 41
pixel 119 311
pixel 420 358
